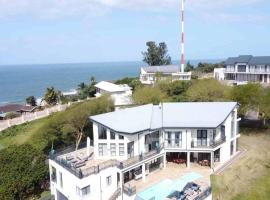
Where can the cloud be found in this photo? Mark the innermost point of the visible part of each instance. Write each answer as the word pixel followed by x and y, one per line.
pixel 54 9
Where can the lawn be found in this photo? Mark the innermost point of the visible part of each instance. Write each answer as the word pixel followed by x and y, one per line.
pixel 249 177
pixel 21 133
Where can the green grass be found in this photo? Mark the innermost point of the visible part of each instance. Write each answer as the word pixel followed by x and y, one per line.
pixel 249 177
pixel 20 134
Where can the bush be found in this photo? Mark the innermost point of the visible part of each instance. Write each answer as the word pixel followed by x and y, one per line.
pixel 207 90
pixel 12 115
pixel 23 172
pixel 147 95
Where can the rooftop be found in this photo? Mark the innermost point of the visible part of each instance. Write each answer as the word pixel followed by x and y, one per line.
pixel 166 115
pixel 163 69
pixel 111 87
pixel 249 59
pixel 16 108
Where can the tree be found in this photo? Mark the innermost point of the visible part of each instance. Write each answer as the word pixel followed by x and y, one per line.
pixel 249 96
pixel 147 95
pixel 156 55
pixel 265 104
pixel 189 67
pixel 31 100
pixel 78 117
pixel 207 90
pixel 23 172
pixel 52 96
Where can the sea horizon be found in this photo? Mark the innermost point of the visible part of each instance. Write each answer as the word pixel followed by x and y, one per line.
pixel 18 81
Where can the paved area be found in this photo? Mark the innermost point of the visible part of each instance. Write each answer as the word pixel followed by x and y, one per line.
pixel 172 171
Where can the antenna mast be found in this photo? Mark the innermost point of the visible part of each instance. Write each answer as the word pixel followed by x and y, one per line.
pixel 183 37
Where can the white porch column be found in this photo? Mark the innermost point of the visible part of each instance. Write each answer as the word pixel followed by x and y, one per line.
pixel 188 159
pixel 143 172
pixel 164 161
pixel 268 78
pixel 212 161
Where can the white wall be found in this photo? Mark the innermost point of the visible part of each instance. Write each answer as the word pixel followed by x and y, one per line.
pixel 98 186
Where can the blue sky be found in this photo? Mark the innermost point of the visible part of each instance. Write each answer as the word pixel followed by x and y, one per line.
pixel 62 31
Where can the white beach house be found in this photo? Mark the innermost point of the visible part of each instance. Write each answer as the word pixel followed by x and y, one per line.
pixel 244 69
pixel 134 142
pixel 121 94
pixel 149 75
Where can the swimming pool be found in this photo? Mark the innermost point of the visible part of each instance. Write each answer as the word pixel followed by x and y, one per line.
pixel 166 187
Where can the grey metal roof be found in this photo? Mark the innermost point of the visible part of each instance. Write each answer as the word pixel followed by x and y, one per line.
pixel 166 115
pixel 260 60
pixel 164 69
pixel 251 60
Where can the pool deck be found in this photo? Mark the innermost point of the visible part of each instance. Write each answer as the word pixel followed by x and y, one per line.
pixel 174 172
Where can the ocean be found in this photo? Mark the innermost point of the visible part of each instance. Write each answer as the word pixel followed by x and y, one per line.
pixel 20 81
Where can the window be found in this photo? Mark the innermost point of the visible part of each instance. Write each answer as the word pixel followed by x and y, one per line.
pixel 102 133
pixel 121 137
pixel 109 180
pixel 121 149
pixel 201 137
pixel 61 179
pixel 113 149
pixel 102 149
pixel 53 175
pixel 178 139
pixel 222 131
pixel 84 191
pixel 112 135
pixel 241 68
pixel 169 137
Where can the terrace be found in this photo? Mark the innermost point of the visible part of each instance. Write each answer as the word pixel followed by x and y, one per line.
pixel 173 172
pixel 82 162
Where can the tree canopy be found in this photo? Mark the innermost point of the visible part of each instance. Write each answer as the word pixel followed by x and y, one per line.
pixel 207 90
pixel 31 100
pixel 23 172
pixel 52 96
pixel 147 95
pixel 156 54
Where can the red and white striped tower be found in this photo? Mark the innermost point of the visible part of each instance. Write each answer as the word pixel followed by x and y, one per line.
pixel 183 37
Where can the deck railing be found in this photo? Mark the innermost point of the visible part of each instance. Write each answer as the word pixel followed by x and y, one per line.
pixel 212 144
pixel 141 157
pixel 104 165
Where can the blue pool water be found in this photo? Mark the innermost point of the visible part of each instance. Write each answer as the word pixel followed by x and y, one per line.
pixel 166 187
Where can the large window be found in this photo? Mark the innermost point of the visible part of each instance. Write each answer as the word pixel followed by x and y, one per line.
pixel 102 133
pixel 83 191
pixel 112 135
pixel 201 137
pixel 102 149
pixel 53 175
pixel 178 139
pixel 109 180
pixel 121 137
pixel 121 149
pixel 169 138
pixel 113 149
pixel 241 68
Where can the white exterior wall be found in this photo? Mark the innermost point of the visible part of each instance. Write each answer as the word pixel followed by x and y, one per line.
pixel 98 186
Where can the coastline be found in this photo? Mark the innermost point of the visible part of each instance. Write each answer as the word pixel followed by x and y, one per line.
pixel 20 81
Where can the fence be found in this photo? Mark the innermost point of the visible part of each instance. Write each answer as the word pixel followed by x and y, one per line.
pixel 27 117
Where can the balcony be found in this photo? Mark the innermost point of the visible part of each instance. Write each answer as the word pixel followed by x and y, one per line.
pixel 92 166
pixel 141 157
pixel 212 143
pixel 173 143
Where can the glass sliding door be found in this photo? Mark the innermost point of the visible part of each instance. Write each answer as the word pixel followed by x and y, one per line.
pixel 201 137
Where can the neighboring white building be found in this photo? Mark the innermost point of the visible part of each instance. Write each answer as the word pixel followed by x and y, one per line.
pixel 149 75
pixel 121 94
pixel 219 74
pixel 246 68
pixel 132 142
